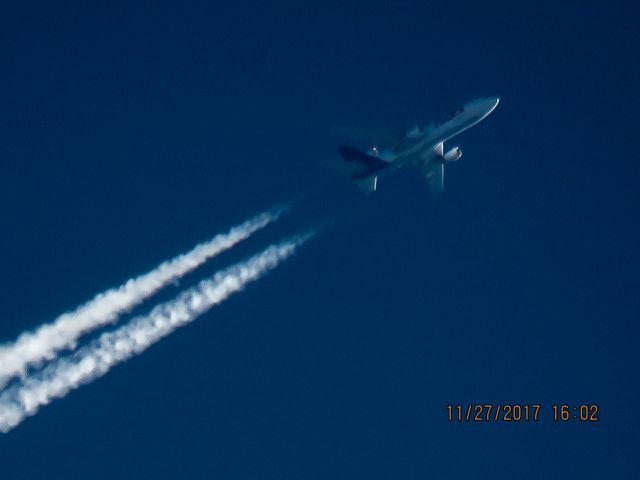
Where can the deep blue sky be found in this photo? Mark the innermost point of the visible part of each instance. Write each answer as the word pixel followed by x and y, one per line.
pixel 129 131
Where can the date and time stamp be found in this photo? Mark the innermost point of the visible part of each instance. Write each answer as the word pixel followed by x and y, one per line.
pixel 534 412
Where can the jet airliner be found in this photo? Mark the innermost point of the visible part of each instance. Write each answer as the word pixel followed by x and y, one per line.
pixel 420 147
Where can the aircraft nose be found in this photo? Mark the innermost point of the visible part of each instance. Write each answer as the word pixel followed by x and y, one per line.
pixel 491 103
pixel 484 106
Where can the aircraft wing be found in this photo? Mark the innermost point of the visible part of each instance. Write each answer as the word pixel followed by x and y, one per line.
pixel 434 173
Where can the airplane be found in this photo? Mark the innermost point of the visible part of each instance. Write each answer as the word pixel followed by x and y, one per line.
pixel 420 147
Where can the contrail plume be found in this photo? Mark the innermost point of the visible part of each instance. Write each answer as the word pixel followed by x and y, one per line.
pixel 99 356
pixel 31 348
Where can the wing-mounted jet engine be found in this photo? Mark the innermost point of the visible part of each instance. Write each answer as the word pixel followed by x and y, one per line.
pixel 452 155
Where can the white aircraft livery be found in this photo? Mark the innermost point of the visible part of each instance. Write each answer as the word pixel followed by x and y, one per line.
pixel 420 147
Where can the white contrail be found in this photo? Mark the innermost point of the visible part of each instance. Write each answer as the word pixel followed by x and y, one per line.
pixel 98 357
pixel 31 348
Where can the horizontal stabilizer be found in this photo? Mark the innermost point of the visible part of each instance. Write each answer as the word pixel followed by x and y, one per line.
pixel 367 163
pixel 368 184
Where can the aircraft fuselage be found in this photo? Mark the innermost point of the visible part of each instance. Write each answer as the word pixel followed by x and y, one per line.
pixel 417 146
